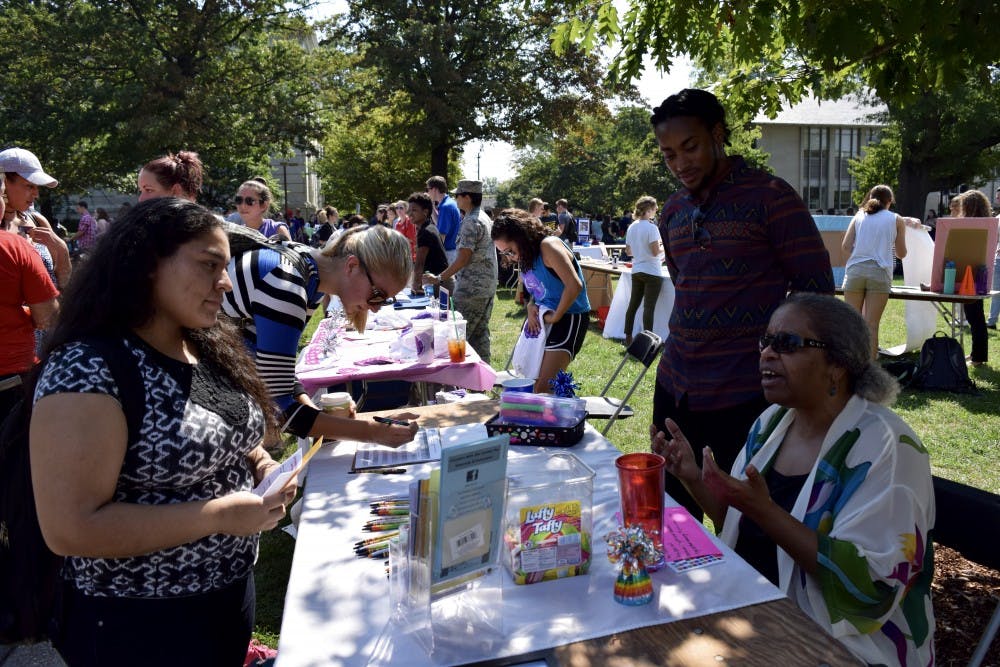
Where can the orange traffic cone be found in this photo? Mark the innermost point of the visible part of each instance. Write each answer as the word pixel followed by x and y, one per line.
pixel 968 286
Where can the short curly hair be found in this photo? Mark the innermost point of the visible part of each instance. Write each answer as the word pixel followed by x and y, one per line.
pixel 696 103
pixel 523 230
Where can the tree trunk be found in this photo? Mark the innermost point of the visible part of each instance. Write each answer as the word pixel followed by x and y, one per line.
pixel 911 190
pixel 439 161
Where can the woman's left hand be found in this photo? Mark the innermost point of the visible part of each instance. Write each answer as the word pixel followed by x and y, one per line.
pixel 532 323
pixel 748 496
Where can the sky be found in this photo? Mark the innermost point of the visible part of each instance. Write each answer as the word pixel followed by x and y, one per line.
pixel 495 158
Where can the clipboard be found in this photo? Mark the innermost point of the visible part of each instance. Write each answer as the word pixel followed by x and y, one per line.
pixel 424 448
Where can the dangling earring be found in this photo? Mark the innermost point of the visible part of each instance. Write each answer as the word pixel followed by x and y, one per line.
pixel 833 388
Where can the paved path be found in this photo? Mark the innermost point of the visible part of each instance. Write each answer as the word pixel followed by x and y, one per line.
pixel 36 655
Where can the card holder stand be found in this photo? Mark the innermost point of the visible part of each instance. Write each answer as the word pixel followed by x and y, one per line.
pixel 454 619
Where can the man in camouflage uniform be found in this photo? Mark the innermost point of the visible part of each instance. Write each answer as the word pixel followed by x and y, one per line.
pixel 475 267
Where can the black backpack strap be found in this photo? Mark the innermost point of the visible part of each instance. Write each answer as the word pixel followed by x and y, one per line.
pixel 128 378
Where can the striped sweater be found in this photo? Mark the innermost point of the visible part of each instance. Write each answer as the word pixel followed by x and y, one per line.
pixel 274 295
pixel 733 259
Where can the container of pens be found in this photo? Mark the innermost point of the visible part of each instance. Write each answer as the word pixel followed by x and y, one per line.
pixel 388 516
pixel 520 407
pixel 539 419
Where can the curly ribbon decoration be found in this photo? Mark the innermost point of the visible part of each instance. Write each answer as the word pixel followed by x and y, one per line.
pixel 630 549
pixel 563 385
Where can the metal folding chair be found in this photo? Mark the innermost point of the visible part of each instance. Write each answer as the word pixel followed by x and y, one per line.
pixel 506 374
pixel 645 349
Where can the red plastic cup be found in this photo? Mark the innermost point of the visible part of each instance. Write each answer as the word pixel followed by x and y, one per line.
pixel 640 484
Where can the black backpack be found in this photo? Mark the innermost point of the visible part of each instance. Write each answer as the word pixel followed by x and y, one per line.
pixel 244 239
pixel 942 367
pixel 571 232
pixel 29 571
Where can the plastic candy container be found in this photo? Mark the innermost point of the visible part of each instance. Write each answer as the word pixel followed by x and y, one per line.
pixel 548 518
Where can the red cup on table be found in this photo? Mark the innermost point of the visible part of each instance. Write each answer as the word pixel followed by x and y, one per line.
pixel 640 484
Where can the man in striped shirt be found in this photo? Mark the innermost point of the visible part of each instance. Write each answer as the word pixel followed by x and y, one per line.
pixel 737 240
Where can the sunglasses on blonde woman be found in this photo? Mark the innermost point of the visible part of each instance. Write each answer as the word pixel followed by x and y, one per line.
pixel 249 201
pixel 377 296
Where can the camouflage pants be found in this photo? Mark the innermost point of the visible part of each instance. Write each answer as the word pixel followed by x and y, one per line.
pixel 477 312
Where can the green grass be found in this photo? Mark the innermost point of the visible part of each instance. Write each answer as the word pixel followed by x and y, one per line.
pixel 961 432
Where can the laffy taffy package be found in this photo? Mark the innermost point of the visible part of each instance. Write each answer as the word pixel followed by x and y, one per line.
pixel 548 521
pixel 549 544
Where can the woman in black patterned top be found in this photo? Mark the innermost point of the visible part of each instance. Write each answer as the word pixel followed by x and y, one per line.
pixel 158 525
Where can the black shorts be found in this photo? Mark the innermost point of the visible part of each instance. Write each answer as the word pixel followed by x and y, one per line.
pixel 567 334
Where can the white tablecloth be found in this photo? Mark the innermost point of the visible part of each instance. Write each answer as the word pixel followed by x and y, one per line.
pixel 597 251
pixel 337 605
pixel 614 326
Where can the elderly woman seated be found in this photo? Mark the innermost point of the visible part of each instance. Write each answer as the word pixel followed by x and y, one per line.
pixel 831 498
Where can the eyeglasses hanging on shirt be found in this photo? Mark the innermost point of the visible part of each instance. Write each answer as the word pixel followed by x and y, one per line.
pixel 699 234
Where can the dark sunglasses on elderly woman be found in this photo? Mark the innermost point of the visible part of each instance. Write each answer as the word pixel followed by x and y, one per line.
pixel 785 342
pixel 249 201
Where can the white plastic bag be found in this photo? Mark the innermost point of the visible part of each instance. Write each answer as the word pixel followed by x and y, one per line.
pixel 528 350
pixel 921 316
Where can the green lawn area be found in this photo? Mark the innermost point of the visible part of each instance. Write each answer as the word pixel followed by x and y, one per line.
pixel 961 432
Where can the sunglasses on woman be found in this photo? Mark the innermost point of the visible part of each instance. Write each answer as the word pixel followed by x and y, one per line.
pixel 785 342
pixel 377 296
pixel 249 201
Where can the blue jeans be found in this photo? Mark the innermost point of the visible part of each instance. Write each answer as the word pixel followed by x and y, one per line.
pixel 995 301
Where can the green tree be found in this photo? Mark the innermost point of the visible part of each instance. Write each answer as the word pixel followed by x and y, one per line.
pixel 936 143
pixel 779 49
pixel 98 87
pixel 367 155
pixel 472 71
pixel 912 55
pixel 600 165
pixel 605 163
pixel 879 164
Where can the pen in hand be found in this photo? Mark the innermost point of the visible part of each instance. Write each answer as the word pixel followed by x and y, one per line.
pixel 391 421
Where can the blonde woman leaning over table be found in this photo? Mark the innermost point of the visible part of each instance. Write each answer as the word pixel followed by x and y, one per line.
pixel 831 498
pixel 643 243
pixel 276 290
pixel 145 486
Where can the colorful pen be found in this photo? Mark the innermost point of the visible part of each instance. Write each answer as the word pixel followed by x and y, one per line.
pixel 391 421
pixel 373 540
pixel 391 511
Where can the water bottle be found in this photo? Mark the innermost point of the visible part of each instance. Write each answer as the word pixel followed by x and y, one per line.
pixel 949 278
pixel 432 304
